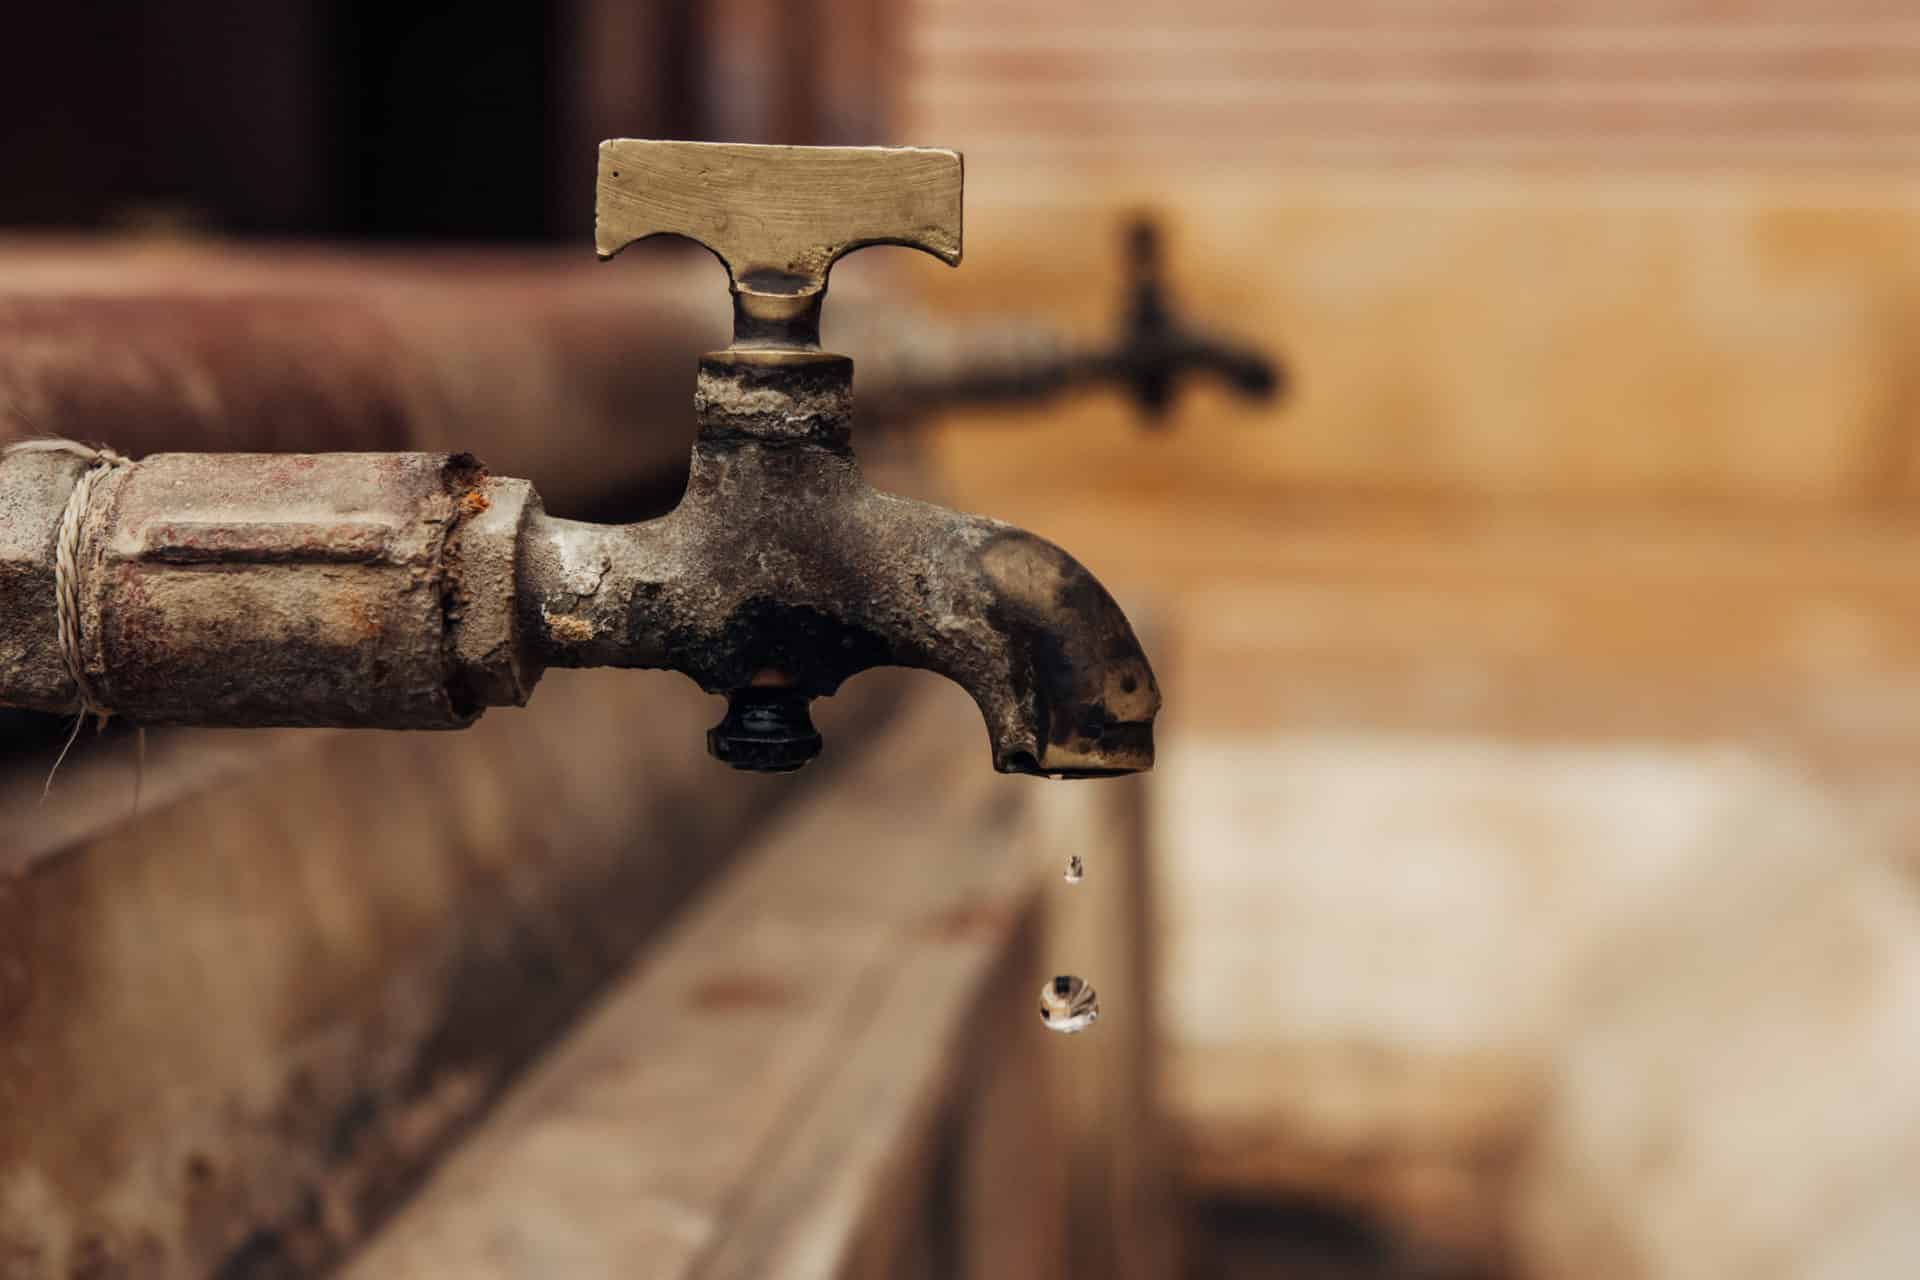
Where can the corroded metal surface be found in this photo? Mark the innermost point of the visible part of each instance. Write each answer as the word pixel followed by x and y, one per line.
pixel 321 577
pixel 782 572
pixel 33 493
pixel 258 589
pixel 783 569
pixel 412 590
pixel 491 664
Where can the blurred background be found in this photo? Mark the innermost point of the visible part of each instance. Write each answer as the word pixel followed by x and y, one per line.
pixel 1529 882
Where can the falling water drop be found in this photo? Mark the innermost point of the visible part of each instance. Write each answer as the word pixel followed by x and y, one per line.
pixel 1076 870
pixel 1068 1004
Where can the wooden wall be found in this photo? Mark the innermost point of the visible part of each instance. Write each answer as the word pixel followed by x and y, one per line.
pixel 1568 603
pixel 1253 86
pixel 1619 253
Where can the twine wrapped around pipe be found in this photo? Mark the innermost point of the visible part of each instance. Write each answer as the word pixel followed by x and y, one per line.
pixel 101 461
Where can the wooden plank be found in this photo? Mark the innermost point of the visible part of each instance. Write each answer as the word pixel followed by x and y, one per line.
pixel 1577 256
pixel 785 1087
pixel 237 1026
pixel 1373 953
pixel 704 1121
pixel 1440 359
pixel 1421 753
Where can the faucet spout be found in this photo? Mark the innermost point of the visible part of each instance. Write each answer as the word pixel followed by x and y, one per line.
pixel 1066 690
pixel 782 573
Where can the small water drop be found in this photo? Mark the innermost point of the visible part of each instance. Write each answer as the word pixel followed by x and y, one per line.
pixel 1076 870
pixel 1068 1004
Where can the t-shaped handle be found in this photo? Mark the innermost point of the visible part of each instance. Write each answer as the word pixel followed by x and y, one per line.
pixel 778 217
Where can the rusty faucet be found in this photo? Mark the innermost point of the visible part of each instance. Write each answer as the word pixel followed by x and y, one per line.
pixel 414 590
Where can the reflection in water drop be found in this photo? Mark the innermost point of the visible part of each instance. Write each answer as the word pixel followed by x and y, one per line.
pixel 1076 872
pixel 1068 1004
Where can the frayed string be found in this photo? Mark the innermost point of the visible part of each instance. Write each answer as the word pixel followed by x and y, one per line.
pixel 66 576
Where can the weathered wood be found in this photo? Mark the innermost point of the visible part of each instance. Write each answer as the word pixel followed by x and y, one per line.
pixel 237 1026
pixel 1539 250
pixel 1438 361
pixel 1421 756
pixel 832 1067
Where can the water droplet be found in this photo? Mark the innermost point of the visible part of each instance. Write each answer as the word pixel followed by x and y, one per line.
pixel 1068 1004
pixel 1076 870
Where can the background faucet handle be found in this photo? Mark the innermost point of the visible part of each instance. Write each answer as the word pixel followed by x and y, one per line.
pixel 778 216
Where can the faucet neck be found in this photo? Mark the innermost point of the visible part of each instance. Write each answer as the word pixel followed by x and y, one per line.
pixel 764 319
pixel 775 397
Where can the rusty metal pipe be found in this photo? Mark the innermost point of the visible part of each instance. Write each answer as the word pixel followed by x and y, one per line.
pixel 537 362
pixel 262 589
pixel 411 591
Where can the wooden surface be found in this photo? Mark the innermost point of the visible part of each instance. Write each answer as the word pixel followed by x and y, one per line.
pixel 833 1065
pixel 1416 760
pixel 1658 339
pixel 1550 638
pixel 1523 84
pixel 240 1023
pixel 1426 769
pixel 1521 250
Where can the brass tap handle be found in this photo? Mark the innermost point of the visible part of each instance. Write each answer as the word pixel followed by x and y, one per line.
pixel 778 217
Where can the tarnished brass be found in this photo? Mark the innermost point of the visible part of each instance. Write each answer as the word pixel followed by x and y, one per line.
pixel 778 217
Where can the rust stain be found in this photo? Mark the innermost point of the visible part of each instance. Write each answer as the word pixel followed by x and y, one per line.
pixel 473 502
pixel 740 992
pixel 568 627
pixel 267 542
